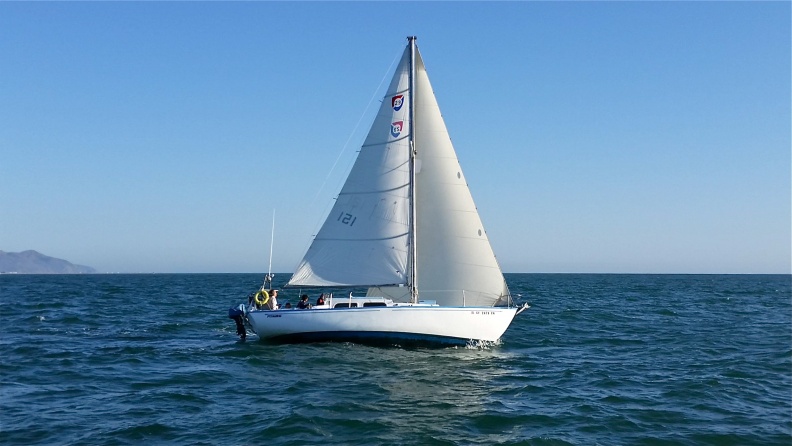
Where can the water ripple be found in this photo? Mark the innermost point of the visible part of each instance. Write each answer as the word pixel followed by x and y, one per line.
pixel 597 360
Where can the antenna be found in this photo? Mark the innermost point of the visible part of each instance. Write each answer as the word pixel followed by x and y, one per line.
pixel 272 242
pixel 268 278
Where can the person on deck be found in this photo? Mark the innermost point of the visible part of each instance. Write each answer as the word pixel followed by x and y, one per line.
pixel 303 304
pixel 320 301
pixel 272 304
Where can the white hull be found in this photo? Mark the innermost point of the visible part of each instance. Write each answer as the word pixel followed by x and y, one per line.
pixel 431 324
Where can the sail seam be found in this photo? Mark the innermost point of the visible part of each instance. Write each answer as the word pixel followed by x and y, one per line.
pixel 384 143
pixel 360 239
pixel 404 90
pixel 373 191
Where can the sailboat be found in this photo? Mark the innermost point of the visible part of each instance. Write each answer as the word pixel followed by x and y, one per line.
pixel 404 227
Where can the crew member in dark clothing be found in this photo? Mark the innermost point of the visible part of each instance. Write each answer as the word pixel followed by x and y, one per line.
pixel 303 304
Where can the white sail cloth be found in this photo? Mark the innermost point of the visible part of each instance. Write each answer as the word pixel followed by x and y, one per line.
pixel 365 239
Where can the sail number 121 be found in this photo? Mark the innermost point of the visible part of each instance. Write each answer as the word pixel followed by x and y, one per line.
pixel 347 219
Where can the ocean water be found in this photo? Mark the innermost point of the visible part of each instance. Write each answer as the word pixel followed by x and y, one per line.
pixel 597 360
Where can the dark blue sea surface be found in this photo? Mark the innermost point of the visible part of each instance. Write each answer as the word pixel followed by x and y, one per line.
pixel 597 360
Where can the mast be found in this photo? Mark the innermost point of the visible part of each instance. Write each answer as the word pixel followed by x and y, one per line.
pixel 413 152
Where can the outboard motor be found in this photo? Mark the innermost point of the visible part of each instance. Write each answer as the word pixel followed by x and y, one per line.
pixel 237 314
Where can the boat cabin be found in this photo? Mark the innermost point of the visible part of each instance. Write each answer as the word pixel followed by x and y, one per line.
pixel 332 303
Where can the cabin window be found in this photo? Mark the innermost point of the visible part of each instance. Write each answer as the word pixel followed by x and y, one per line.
pixel 346 305
pixel 374 304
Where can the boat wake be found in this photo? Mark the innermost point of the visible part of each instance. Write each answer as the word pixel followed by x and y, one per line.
pixel 473 344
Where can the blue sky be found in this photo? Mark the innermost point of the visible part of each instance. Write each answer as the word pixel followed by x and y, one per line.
pixel 596 137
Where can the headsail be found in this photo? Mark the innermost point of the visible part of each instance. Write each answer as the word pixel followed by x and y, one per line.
pixel 454 252
pixel 364 240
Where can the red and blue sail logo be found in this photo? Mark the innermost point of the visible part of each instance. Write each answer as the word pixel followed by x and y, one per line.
pixel 397 102
pixel 396 128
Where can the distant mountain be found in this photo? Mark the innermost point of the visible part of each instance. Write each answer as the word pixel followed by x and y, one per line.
pixel 32 262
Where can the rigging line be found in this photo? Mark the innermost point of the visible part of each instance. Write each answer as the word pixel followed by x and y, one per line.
pixel 354 130
pixel 327 208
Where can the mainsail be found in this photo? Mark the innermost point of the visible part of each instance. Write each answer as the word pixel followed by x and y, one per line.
pixel 365 239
